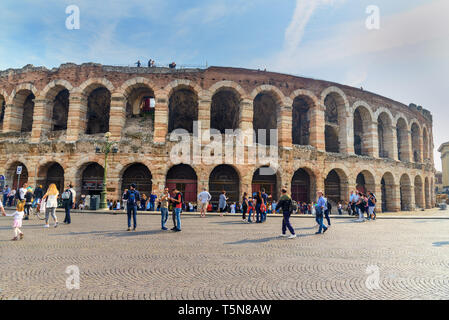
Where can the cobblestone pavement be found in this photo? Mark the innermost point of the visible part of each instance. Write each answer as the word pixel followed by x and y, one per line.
pixel 223 258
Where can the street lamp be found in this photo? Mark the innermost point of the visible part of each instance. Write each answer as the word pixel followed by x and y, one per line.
pixel 106 148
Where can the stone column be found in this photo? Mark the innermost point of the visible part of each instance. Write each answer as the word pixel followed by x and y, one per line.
pixel 375 140
pixel 421 149
pixel 161 118
pixel 117 118
pixel 13 118
pixel 284 125
pixel 246 180
pixel 77 118
pixel 204 107
pixel 42 119
pixel 346 133
pixel 246 119
pixel 317 126
pixel 394 145
pixel 412 204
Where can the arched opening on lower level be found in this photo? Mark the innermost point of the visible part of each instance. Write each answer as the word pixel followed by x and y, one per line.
pixel 15 180
pixel 183 177
pixel 140 175
pixel 224 178
pixel 92 179
pixel 302 186
pixel 265 178
pixel 387 192
pixel 405 193
pixel 51 173
pixel 419 193
pixel 335 186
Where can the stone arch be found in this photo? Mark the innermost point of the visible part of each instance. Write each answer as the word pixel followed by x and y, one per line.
pixel 224 177
pixel 184 178
pixel 89 178
pixel 405 187
pixel 336 106
pixel 303 185
pixel 51 172
pixel 183 83
pixel 415 131
pixel 56 96
pixel 362 124
pixel 385 135
pixel 11 174
pixel 183 106
pixel 52 89
pixel 268 179
pixel 21 110
pixel 402 136
pixel 426 143
pixel 302 108
pixel 387 190
pixel 336 185
pixel 226 84
pixel 365 182
pixel 139 174
pixel 225 108
pixel 91 84
pixel 267 103
pixel 419 192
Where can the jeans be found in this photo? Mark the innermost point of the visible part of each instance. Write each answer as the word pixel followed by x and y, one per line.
pixel 286 223
pixel 249 214
pixel 177 216
pixel 5 199
pixel 319 219
pixel 132 210
pixel 164 217
pixel 27 210
pixel 67 208
pixel 258 213
pixel 326 214
pixel 151 206
pixel 264 216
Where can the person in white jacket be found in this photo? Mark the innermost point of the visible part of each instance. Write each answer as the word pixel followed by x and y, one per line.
pixel 18 217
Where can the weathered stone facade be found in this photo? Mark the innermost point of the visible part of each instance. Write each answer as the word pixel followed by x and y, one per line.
pixel 387 150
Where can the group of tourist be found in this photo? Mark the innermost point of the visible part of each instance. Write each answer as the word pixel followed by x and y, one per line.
pixel 26 199
pixel 152 64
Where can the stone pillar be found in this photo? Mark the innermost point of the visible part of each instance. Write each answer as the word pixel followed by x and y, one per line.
pixel 42 119
pixel 246 119
pixel 394 145
pixel 117 117
pixel 317 126
pixel 393 198
pixel 77 118
pixel 412 204
pixel 204 107
pixel 346 134
pixel 375 140
pixel 246 182
pixel 161 118
pixel 284 125
pixel 421 149
pixel 13 118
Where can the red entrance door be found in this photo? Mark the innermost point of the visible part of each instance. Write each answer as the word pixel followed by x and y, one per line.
pixel 299 193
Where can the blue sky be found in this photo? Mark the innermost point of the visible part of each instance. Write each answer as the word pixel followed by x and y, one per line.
pixel 406 59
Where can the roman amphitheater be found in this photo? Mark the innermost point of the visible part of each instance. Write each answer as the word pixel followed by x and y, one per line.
pixel 330 136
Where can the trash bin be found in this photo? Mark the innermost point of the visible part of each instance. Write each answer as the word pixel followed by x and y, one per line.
pixel 94 202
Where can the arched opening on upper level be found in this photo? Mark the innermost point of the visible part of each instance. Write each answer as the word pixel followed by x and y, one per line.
pixel 140 108
pixel 24 105
pixel 402 140
pixel 334 110
pixel 362 124
pixel 301 120
pixel 415 131
pixel 60 113
pixel 385 136
pixel 183 109
pixel 426 145
pixel 98 109
pixel 225 110
pixel 265 116
pixel 2 111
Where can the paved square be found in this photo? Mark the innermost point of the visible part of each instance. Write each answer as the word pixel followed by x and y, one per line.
pixel 223 258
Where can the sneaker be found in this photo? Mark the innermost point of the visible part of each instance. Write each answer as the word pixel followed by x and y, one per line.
pixel 129 229
pixel 134 229
pixel 293 236
pixel 325 230
pixel 46 226
pixel 283 236
pixel 317 232
pixel 21 236
pixel 177 230
pixel 15 239
pixel 164 228
pixel 56 225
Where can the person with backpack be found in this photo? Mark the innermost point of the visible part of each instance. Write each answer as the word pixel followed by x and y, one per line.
pixel 372 206
pixel 68 200
pixel 328 212
pixel 28 203
pixel 132 197
pixel 177 204
pixel 264 206
pixel 360 206
pixel 286 204
pixel 320 208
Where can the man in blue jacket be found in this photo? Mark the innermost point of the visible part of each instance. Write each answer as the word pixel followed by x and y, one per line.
pixel 132 196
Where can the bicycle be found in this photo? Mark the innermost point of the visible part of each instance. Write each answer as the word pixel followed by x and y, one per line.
pixel 36 210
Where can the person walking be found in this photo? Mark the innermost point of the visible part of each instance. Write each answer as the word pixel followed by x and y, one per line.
pixel 11 197
pixel 360 207
pixel 28 202
pixel 203 198
pixel 285 204
pixel 153 198
pixel 68 201
pixel 22 192
pixel 372 206
pixel 38 194
pixel 353 199
pixel 177 204
pixel 164 200
pixel 264 206
pixel 320 208
pixel 245 205
pixel 51 203
pixel 222 203
pixel 18 216
pixel 328 212
pixel 132 197
pixel 6 191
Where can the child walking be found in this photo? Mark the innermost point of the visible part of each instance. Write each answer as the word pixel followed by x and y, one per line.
pixel 18 217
